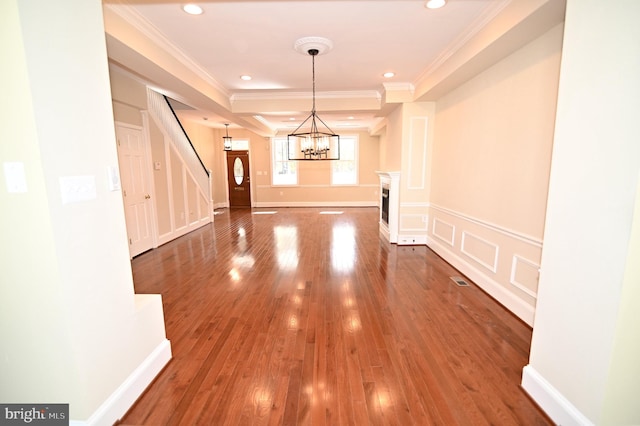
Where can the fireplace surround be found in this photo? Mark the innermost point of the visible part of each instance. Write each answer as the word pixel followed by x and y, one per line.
pixel 389 205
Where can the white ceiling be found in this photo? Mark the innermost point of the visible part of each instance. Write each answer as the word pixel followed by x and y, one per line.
pixel 233 38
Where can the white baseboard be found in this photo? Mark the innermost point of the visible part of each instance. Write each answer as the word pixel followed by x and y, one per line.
pixel 552 402
pixel 116 406
pixel 509 300
pixel 165 238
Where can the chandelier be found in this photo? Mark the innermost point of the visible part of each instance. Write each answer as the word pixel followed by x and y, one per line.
pixel 313 139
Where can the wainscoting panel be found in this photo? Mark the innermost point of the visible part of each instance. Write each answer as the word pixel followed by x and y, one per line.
pixel 413 223
pixel 482 251
pixel 444 231
pixel 502 262
pixel 524 275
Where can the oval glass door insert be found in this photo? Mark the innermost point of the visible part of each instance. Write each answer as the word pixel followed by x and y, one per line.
pixel 238 171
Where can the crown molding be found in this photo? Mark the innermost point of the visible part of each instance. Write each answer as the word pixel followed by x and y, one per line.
pixel 256 96
pixel 403 87
pixel 137 21
pixel 476 26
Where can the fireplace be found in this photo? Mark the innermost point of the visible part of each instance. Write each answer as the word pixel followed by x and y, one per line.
pixel 384 204
pixel 389 205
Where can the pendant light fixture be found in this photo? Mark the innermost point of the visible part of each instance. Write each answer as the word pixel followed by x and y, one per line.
pixel 227 139
pixel 313 139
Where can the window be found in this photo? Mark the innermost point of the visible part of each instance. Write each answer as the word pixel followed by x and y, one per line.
pixel 283 172
pixel 239 145
pixel 345 170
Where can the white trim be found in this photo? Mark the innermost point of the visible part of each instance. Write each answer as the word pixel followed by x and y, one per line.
pixel 399 87
pixel 513 303
pixel 557 407
pixel 365 185
pixel 424 146
pixel 140 23
pixel 493 268
pixel 185 196
pixel 461 40
pixel 179 232
pixel 512 278
pixel 317 204
pixel 169 174
pixel 353 94
pixel 508 232
pixel 434 228
pixel 117 404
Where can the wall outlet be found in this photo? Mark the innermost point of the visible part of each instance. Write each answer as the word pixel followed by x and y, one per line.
pixel 412 240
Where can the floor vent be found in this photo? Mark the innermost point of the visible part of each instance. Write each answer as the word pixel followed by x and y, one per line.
pixel 459 281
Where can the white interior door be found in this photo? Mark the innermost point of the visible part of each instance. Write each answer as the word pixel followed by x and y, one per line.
pixel 135 179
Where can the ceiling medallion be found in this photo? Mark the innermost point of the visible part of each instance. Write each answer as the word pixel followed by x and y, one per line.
pixel 321 44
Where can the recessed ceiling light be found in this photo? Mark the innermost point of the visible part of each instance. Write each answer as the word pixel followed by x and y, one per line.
pixel 388 74
pixel 192 9
pixel 435 4
pixel 245 77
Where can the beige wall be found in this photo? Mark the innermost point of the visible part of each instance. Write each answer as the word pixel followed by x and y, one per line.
pixel 314 180
pixel 392 147
pixel 72 329
pixel 490 171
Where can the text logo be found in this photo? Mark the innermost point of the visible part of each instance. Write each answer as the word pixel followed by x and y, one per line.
pixel 34 414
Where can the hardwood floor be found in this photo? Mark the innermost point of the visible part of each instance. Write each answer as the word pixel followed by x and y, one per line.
pixel 300 318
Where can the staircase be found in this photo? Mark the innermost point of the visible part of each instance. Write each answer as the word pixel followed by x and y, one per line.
pixel 193 207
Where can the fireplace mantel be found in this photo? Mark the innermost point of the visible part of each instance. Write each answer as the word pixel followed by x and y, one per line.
pixel 389 228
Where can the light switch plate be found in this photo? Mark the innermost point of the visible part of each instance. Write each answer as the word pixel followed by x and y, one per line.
pixel 74 189
pixel 15 177
pixel 114 178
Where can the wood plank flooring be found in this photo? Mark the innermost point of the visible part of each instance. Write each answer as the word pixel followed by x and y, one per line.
pixel 302 318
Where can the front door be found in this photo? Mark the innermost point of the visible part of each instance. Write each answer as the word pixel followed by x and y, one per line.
pixel 238 177
pixel 135 180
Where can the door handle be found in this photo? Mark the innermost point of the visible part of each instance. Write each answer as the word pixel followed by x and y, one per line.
pixel 147 197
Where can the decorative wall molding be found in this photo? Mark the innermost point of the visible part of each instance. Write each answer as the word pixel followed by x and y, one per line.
pixel 467 236
pixel 480 23
pixel 508 232
pixel 365 185
pixel 439 226
pixel 515 265
pixel 332 204
pixel 416 176
pixel 354 94
pixel 499 292
pixel 418 204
